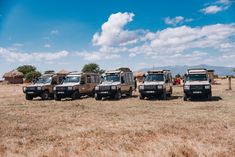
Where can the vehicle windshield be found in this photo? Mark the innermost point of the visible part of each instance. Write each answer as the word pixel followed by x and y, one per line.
pixel 43 80
pixel 154 77
pixel 72 79
pixel 112 78
pixel 196 77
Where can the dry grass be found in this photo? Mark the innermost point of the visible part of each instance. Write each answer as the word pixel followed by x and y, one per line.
pixel 129 127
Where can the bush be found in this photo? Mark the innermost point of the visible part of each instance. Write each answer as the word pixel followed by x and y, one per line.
pixel 92 68
pixel 32 75
pixel 25 69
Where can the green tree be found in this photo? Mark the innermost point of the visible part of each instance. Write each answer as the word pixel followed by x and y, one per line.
pixel 92 68
pixel 32 75
pixel 25 69
pixel 49 72
pixel 125 69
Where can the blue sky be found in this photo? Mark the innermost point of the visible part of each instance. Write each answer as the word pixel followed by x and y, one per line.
pixel 66 34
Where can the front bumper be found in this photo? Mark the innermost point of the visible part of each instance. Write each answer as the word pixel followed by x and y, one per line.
pixel 197 92
pixel 34 93
pixel 105 93
pixel 65 93
pixel 151 92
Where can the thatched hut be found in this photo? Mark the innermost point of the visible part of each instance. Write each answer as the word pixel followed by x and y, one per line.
pixel 14 77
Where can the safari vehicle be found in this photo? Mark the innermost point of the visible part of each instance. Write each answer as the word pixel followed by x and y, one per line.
pixel 41 87
pixel 75 85
pixel 157 83
pixel 197 83
pixel 115 83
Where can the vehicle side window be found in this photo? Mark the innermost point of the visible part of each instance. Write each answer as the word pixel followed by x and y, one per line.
pixel 83 80
pixel 88 79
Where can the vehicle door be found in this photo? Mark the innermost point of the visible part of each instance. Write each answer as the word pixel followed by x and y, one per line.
pixel 83 84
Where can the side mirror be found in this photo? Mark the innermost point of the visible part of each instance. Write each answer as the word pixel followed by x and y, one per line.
pixel 167 81
pixel 209 80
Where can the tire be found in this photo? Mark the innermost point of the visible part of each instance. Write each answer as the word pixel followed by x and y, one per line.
pixel 129 93
pixel 118 95
pixel 209 97
pixel 45 95
pixel 164 96
pixel 92 94
pixel 57 97
pixel 141 97
pixel 185 97
pixel 28 97
pixel 75 95
pixel 97 97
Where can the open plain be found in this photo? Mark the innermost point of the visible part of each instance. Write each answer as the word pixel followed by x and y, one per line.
pixel 129 127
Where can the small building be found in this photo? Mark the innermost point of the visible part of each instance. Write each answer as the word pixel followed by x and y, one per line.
pixel 14 77
pixel 211 75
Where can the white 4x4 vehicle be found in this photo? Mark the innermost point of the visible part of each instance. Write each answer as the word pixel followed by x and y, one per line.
pixel 197 83
pixel 157 83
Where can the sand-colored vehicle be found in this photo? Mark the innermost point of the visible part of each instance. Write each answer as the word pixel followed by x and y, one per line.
pixel 197 84
pixel 41 87
pixel 157 83
pixel 76 84
pixel 114 84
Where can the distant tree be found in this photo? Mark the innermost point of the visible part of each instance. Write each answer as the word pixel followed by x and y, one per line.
pixel 178 76
pixel 49 72
pixel 25 69
pixel 92 68
pixel 124 69
pixel 32 75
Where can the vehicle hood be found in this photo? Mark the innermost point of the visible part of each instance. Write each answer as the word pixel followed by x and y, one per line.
pixel 109 84
pixel 154 83
pixel 38 85
pixel 197 83
pixel 68 84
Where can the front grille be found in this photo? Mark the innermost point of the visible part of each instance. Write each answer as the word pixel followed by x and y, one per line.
pixel 150 87
pixel 61 88
pixel 196 87
pixel 104 87
pixel 31 88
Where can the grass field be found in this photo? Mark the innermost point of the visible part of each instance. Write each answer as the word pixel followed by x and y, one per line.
pixel 129 127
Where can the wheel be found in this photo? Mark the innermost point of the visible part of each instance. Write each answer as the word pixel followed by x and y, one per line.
pixel 75 95
pixel 57 97
pixel 185 97
pixel 129 93
pixel 45 95
pixel 141 97
pixel 92 94
pixel 209 96
pixel 164 96
pixel 97 97
pixel 28 97
pixel 118 95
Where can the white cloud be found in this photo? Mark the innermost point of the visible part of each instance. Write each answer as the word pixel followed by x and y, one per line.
pixel 54 32
pixel 95 56
pixel 216 7
pixel 176 20
pixel 113 33
pixel 16 56
pixel 47 46
pixel 18 44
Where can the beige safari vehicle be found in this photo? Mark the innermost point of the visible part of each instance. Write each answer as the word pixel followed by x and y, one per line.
pixel 157 83
pixel 41 87
pixel 114 84
pixel 75 85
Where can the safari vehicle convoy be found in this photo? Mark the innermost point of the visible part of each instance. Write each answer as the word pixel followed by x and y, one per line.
pixel 157 83
pixel 115 83
pixel 41 87
pixel 196 84
pixel 75 85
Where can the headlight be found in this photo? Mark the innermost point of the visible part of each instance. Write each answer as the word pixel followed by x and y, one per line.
pixel 159 86
pixel 141 87
pixel 113 87
pixel 54 88
pixel 97 88
pixel 39 88
pixel 24 89
pixel 70 88
pixel 187 87
pixel 207 87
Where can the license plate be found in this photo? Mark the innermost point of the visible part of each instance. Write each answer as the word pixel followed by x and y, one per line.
pixel 30 92
pixel 104 92
pixel 150 92
pixel 60 92
pixel 197 92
